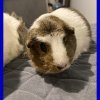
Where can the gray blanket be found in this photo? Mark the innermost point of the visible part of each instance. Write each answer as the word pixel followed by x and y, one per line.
pixel 21 82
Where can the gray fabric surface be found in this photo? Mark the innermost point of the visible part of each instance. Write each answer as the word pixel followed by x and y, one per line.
pixel 21 82
pixel 29 10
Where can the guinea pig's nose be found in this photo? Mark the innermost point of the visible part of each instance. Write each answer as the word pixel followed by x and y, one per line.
pixel 59 67
pixel 62 66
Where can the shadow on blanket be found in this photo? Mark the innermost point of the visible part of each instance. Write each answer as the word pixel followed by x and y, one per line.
pixel 13 75
pixel 72 80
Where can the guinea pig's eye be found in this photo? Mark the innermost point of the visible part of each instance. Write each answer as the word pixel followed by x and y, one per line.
pixel 64 39
pixel 43 47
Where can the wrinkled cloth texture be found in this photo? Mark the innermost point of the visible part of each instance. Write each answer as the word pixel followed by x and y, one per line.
pixel 21 82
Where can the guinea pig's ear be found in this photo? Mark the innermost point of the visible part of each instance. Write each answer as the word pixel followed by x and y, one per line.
pixel 30 43
pixel 69 30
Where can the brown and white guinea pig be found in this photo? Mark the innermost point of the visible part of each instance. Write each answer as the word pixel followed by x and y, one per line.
pixel 56 39
pixel 13 28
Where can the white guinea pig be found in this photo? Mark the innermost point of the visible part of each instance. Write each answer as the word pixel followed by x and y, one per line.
pixel 12 45
pixel 56 39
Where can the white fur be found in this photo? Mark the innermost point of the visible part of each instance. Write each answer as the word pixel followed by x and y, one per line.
pixel 81 32
pixel 59 52
pixel 12 47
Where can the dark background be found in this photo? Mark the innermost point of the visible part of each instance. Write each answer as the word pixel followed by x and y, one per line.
pixel 28 9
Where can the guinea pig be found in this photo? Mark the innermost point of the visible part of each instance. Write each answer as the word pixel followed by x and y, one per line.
pixel 13 29
pixel 56 39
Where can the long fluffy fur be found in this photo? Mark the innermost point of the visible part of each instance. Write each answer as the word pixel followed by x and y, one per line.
pixel 75 20
pixel 12 47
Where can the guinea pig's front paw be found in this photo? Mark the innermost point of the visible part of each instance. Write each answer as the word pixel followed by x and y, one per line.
pixel 24 55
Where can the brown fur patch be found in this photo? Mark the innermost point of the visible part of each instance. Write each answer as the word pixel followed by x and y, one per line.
pixel 70 43
pixel 22 29
pixel 41 59
pixel 22 32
